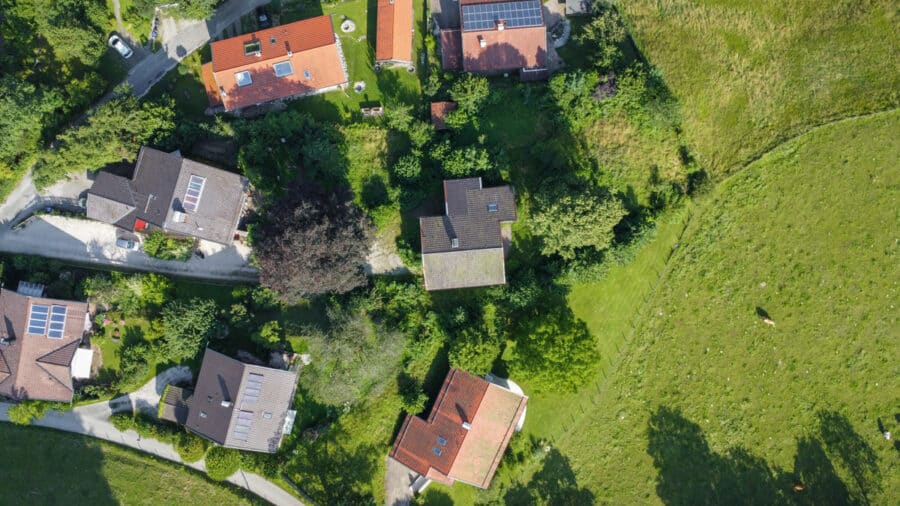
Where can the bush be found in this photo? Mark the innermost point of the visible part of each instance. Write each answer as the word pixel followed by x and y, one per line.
pixel 222 462
pixel 25 412
pixel 268 336
pixel 191 448
pixel 165 247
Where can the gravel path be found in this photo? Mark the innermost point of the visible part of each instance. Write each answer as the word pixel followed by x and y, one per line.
pixel 93 420
pixel 397 480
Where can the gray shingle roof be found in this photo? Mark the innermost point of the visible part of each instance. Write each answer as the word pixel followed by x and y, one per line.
pixel 156 191
pixel 257 403
pixel 471 224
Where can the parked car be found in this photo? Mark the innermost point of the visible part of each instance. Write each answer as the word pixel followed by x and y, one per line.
pixel 126 244
pixel 119 45
pixel 263 17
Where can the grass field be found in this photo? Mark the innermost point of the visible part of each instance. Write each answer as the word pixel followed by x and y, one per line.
pixel 751 74
pixel 70 469
pixel 711 405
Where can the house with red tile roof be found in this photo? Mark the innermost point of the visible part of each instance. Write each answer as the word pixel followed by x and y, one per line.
pixel 497 36
pixel 439 111
pixel 394 37
pixel 287 61
pixel 39 340
pixel 466 433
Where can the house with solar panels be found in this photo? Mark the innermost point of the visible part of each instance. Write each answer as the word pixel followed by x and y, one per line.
pixel 40 342
pixel 235 405
pixel 173 194
pixel 495 37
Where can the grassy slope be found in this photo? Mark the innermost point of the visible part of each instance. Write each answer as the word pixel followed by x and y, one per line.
pixel 70 469
pixel 751 74
pixel 813 222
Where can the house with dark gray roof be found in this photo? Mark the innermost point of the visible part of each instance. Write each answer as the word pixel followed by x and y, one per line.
pixel 173 194
pixel 238 405
pixel 39 339
pixel 464 248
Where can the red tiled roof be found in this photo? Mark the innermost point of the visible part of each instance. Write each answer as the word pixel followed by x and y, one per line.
pixel 292 37
pixel 509 49
pixel 209 82
pixel 439 111
pixel 309 45
pixel 460 400
pixel 394 31
pixel 451 49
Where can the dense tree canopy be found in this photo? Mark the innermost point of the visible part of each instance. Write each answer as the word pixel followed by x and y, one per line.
pixel 186 327
pixel 276 147
pixel 113 132
pixel 555 352
pixel 24 110
pixel 312 243
pixel 569 216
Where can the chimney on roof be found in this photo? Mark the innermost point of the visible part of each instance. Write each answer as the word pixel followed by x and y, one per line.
pixel 482 42
pixel 454 242
pixel 501 24
pixel 226 404
pixel 466 425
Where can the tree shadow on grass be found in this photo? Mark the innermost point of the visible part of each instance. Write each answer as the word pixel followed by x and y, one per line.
pixel 554 483
pixel 691 473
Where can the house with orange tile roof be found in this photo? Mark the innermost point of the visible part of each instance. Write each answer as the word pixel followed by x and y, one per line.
pixel 439 112
pixel 394 33
pixel 466 433
pixel 287 61
pixel 497 36
pixel 40 339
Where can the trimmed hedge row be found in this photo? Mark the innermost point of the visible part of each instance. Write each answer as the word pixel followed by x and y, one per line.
pixel 190 447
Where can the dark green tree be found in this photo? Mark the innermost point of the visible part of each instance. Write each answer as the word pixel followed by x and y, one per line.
pixel 470 92
pixel 569 215
pixel 603 37
pixel 312 242
pixel 555 352
pixel 186 327
pixel 113 132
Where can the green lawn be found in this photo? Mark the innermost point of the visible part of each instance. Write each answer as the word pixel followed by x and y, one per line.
pixel 65 468
pixel 388 86
pixel 709 404
pixel 751 74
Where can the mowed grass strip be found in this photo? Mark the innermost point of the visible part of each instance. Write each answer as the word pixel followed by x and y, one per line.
pixel 750 75
pixel 49 467
pixel 710 397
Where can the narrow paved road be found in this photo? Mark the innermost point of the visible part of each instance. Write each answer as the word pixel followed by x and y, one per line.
pixel 189 38
pixel 93 420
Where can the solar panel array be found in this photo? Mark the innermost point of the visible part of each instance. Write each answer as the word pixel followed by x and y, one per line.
pixel 514 15
pixel 193 193
pixel 37 321
pixel 57 322
pixel 242 425
pixel 251 389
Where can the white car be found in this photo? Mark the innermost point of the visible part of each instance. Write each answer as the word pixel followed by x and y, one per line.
pixel 119 45
pixel 126 244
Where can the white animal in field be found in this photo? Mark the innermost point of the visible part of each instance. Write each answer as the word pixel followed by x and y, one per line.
pixel 768 321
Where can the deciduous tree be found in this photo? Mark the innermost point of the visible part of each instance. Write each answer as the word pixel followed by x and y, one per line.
pixel 312 243
pixel 555 352
pixel 187 326
pixel 570 215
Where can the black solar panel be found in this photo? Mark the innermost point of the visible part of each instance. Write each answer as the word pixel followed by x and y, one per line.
pixel 514 15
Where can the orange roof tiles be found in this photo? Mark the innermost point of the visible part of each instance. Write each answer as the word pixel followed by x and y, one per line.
pixel 509 49
pixel 395 31
pixel 442 449
pixel 439 111
pixel 209 82
pixel 310 46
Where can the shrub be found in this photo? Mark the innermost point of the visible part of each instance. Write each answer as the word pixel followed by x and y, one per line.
pixel 191 448
pixel 25 412
pixel 222 462
pixel 158 244
pixel 268 336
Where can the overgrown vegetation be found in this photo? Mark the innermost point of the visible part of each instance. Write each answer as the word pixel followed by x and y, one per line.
pixel 160 245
